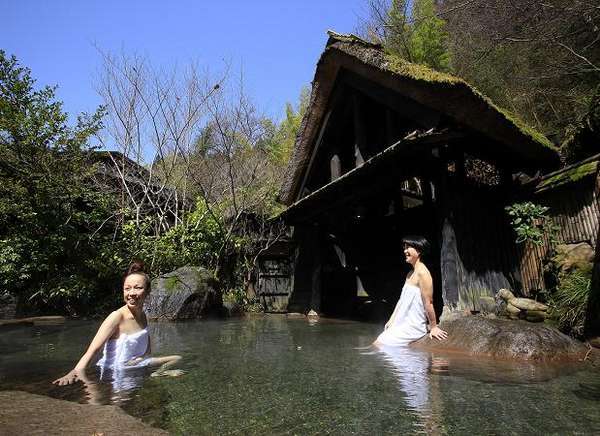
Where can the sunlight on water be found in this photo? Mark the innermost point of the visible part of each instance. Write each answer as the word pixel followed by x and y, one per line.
pixel 273 375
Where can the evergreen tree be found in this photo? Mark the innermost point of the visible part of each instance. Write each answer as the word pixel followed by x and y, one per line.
pixel 414 32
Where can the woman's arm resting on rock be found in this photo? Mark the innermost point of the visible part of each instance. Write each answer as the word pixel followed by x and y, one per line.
pixel 106 330
pixel 426 285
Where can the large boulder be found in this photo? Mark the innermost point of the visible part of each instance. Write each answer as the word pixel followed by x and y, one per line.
pixel 506 339
pixel 29 414
pixel 186 293
pixel 8 306
pixel 573 256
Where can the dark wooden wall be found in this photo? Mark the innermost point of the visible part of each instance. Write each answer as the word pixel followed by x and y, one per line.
pixel 476 257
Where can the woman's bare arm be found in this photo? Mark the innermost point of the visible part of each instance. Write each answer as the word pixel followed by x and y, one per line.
pixel 426 286
pixel 105 331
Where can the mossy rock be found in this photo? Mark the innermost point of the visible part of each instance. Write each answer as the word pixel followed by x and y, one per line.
pixel 186 293
pixel 505 339
pixel 571 257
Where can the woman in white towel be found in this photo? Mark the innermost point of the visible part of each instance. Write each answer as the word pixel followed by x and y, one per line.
pixel 123 336
pixel 415 306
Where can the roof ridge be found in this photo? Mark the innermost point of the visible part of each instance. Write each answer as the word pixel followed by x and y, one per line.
pixel 349 37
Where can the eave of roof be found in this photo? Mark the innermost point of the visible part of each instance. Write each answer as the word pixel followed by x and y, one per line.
pixel 373 55
pixel 569 174
pixel 406 146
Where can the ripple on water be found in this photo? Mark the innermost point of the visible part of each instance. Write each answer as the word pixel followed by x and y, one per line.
pixel 285 376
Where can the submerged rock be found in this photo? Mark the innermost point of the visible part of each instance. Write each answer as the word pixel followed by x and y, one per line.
pixel 28 414
pixel 502 338
pixel 186 293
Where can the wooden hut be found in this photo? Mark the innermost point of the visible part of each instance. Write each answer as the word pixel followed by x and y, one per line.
pixel 387 149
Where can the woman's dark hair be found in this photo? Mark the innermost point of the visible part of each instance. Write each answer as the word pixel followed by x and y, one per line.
pixel 419 243
pixel 138 267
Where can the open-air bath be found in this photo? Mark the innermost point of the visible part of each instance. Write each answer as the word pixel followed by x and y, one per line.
pixel 273 374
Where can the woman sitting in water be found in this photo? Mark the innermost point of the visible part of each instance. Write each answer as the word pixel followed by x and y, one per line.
pixel 415 306
pixel 124 335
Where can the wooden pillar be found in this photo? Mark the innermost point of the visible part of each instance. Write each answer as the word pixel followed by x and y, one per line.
pixel 304 272
pixel 448 245
pixel 335 167
pixel 360 136
pixel 315 298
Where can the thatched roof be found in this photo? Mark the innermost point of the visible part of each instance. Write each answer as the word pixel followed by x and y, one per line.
pixel 441 92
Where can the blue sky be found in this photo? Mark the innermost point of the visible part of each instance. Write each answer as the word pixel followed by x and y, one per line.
pixel 277 42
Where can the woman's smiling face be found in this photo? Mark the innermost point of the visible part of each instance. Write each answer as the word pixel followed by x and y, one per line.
pixel 134 290
pixel 411 255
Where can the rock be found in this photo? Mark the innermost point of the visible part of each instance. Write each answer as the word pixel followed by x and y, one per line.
pixel 312 313
pixel 520 308
pixel 186 293
pixel 487 304
pixel 573 256
pixel 512 310
pixel 537 313
pixel 450 315
pixel 505 294
pixel 527 304
pixel 595 342
pixel 8 306
pixel 34 320
pixel 533 318
pixel 28 414
pixel 231 308
pixel 501 338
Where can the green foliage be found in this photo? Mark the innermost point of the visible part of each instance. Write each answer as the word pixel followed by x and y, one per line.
pixel 51 222
pixel 239 297
pixel 281 138
pixel 531 223
pixel 582 139
pixel 570 299
pixel 537 59
pixel 417 35
pixel 195 241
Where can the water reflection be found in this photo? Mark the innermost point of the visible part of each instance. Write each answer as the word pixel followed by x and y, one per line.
pixel 411 369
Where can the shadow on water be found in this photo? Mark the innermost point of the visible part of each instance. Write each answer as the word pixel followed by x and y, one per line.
pixel 278 375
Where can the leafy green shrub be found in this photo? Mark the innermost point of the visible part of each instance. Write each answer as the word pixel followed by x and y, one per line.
pixel 238 296
pixel 531 222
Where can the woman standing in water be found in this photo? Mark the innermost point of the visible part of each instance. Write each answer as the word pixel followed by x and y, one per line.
pixel 123 335
pixel 415 306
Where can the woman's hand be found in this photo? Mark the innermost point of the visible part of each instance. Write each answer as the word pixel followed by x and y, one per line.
pixel 438 333
pixel 71 377
pixel 134 361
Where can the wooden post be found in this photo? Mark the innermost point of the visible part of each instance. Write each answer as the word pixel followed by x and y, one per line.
pixel 315 299
pixel 360 137
pixel 448 250
pixel 335 167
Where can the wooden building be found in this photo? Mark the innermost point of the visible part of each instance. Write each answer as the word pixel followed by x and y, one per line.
pixel 572 195
pixel 388 149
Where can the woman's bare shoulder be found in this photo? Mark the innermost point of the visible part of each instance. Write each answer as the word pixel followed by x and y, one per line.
pixel 423 272
pixel 115 316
